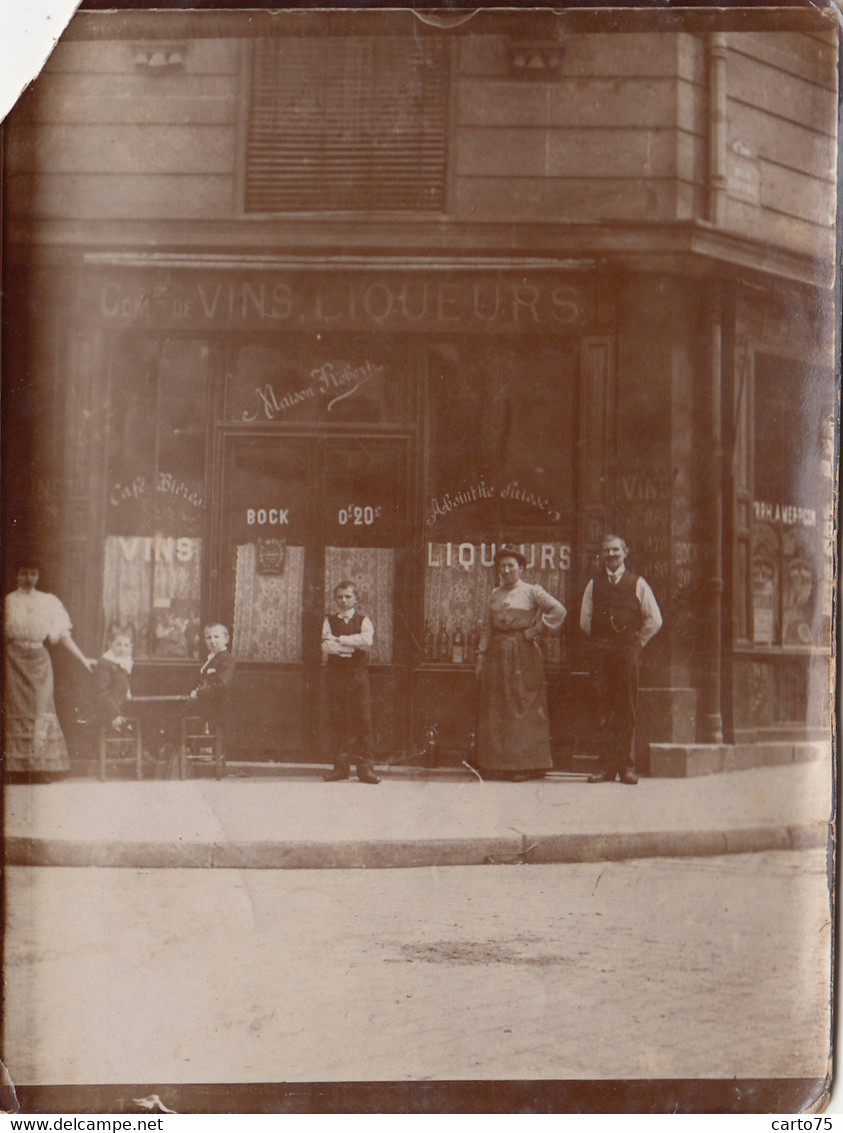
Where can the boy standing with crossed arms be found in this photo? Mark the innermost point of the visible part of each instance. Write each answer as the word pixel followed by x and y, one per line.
pixel 347 638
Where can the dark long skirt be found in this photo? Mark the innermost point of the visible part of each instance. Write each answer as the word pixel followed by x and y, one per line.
pixel 512 732
pixel 34 742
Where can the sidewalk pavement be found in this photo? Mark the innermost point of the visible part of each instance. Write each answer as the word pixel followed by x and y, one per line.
pixel 413 818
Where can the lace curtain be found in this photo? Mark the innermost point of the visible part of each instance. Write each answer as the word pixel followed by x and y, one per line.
pixel 151 585
pixel 372 569
pixel 268 608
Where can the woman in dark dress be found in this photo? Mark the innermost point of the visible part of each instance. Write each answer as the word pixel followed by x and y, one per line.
pixel 513 741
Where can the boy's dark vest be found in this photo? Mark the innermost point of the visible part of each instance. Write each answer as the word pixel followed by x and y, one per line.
pixel 339 628
pixel 616 612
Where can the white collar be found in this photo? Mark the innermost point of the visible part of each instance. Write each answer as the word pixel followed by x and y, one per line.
pixel 616 575
pixel 346 615
pixel 125 663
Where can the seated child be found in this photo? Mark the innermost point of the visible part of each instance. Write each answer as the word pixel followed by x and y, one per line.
pixel 216 674
pixel 111 680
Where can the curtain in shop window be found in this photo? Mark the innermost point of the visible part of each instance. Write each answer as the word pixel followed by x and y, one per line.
pixel 372 569
pixel 456 594
pixel 459 583
pixel 268 607
pixel 151 586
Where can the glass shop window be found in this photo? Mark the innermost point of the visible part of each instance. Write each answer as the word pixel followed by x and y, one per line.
pixel 792 488
pixel 155 506
pixel 501 459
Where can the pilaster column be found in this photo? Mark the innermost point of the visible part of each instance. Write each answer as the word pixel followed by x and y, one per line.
pixel 717 128
pixel 711 719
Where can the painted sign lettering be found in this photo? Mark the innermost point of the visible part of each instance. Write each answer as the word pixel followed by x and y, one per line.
pixel 165 482
pixel 475 302
pixel 539 556
pixel 788 514
pixel 443 506
pixel 273 516
pixel 337 380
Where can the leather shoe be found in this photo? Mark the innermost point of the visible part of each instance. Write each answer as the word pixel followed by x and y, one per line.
pixel 629 777
pixel 602 777
pixel 368 777
pixel 335 776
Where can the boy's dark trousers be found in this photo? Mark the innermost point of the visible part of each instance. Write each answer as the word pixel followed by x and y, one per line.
pixel 349 705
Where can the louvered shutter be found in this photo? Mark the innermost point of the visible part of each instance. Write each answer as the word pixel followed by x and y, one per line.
pixel 347 123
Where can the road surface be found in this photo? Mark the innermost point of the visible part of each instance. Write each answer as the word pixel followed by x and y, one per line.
pixel 710 967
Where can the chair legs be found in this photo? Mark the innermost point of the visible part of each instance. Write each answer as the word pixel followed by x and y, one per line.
pixel 197 729
pixel 121 742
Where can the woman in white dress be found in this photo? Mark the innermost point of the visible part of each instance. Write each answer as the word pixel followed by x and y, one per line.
pixel 513 741
pixel 34 743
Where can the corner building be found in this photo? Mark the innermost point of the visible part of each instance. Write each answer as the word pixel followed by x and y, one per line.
pixel 302 296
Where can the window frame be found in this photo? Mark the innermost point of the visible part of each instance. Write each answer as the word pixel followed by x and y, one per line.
pixel 744 539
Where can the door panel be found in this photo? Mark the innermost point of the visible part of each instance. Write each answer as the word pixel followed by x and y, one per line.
pixel 301 514
pixel 364 524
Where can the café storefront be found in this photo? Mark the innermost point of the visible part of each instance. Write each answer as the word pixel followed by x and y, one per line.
pixel 259 433
pixel 295 299
pixel 237 437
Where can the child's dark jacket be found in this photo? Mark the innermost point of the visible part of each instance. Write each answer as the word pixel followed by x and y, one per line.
pixel 215 680
pixel 111 685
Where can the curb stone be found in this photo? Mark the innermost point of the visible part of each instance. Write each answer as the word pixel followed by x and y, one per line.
pixel 410 854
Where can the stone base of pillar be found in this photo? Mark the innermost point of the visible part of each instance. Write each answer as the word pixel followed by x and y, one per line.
pixel 665 715
pixel 682 761
pixel 711 728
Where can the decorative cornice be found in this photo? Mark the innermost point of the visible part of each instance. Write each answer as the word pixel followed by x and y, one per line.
pixel 694 248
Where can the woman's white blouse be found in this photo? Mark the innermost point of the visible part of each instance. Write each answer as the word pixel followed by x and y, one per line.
pixel 33 617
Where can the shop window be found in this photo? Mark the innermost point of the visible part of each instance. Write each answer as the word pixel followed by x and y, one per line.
pixel 347 123
pixel 500 469
pixel 791 487
pixel 155 508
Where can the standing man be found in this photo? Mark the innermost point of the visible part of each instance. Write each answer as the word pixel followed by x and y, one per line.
pixel 620 614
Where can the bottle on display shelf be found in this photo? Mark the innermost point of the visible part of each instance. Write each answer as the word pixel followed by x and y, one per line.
pixel 474 643
pixel 458 646
pixel 429 645
pixel 443 643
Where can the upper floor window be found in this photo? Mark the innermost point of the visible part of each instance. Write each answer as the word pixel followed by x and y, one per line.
pixel 347 124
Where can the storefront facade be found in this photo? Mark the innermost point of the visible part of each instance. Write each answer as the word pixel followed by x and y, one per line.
pixel 227 409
